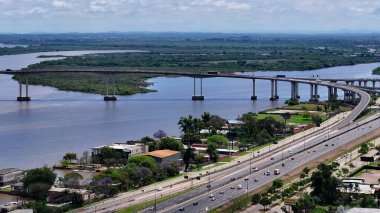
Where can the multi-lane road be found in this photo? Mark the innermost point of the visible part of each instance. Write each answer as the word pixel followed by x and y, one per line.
pixel 223 189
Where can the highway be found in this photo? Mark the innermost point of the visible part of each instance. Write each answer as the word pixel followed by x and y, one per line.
pixel 315 148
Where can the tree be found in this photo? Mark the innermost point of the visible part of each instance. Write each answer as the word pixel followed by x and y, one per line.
pixel 212 151
pixel 160 134
pixel 286 116
pixel 72 180
pixel 306 171
pixel 325 186
pixel 39 175
pixel 278 183
pixel 190 138
pixel 345 171
pixel 206 117
pixel 351 165
pixel 190 125
pixel 216 122
pixel 265 201
pixel 76 200
pixel 306 115
pixel 153 145
pixel 199 159
pixel 255 199
pixel 316 119
pixel 220 140
pixel 170 143
pixel 111 156
pixel 38 190
pixel 187 157
pixel 304 204
pixel 368 202
pixel 143 161
pixel 70 156
pixel 364 149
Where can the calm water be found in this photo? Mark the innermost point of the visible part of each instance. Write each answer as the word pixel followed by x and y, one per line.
pixel 56 122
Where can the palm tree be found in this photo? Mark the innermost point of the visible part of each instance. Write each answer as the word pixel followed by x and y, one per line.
pixel 186 124
pixel 206 117
pixel 286 116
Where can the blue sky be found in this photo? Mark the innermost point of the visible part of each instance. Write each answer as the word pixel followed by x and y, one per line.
pixel 24 16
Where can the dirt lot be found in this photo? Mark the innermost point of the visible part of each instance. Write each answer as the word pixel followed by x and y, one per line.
pixel 371 176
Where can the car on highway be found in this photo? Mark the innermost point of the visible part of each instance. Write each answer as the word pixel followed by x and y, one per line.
pixel 221 192
pixel 159 189
pixel 232 179
pixel 211 195
pixel 246 178
pixel 195 203
pixel 256 180
pixel 292 158
pixel 182 209
pixel 326 144
pixel 239 186
pixel 290 151
pixel 277 171
pixel 232 187
pixel 272 158
pixel 268 173
pixel 314 150
pixel 213 199
pixel 283 164
pixel 255 169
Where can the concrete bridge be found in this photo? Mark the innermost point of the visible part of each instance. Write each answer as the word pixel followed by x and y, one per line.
pixel 351 93
pixel 333 86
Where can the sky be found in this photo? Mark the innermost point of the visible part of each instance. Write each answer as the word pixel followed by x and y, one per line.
pixel 235 16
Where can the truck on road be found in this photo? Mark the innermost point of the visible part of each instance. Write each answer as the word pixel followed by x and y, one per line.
pixel 277 171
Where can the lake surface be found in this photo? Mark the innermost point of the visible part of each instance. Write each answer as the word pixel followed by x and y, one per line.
pixel 56 122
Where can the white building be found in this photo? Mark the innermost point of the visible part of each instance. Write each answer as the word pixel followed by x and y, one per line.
pixel 10 175
pixel 127 150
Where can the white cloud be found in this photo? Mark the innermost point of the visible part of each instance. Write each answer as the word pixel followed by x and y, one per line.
pixel 61 4
pixel 190 15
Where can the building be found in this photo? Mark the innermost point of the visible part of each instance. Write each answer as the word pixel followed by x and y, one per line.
pixel 58 195
pixel 165 156
pixel 361 210
pixel 10 175
pixel 128 150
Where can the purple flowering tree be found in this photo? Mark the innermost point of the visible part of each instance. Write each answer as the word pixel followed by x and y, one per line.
pixel 159 134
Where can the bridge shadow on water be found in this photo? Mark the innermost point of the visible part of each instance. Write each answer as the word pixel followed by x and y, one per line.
pixel 149 100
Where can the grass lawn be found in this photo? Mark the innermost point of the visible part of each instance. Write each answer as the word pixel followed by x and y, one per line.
pixel 298 119
pixel 313 107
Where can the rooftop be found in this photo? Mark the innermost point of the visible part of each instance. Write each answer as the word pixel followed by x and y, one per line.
pixel 8 170
pixel 120 146
pixel 361 210
pixel 162 153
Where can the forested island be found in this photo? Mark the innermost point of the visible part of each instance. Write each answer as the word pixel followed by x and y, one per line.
pixel 376 71
pixel 193 52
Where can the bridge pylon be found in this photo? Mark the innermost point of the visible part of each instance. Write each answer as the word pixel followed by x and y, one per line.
pixel 108 97
pixel 196 97
pixel 22 98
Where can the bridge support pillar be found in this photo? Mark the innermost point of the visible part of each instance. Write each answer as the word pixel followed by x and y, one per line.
pixel 316 95
pixel 108 97
pixel 198 97
pixel 253 97
pixel 276 89
pixel 26 97
pixel 272 90
pixel 294 91
pixel 360 83
pixel 311 92
pixel 365 83
pixel 330 94
pixel 373 83
pixel 335 93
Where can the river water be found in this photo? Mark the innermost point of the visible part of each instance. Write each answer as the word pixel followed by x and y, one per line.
pixel 56 122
